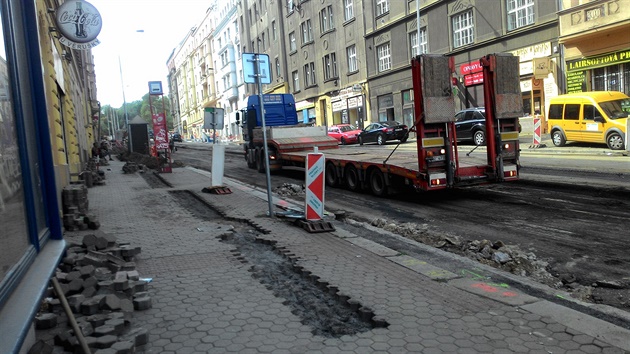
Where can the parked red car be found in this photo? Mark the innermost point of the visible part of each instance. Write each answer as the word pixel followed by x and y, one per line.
pixel 344 133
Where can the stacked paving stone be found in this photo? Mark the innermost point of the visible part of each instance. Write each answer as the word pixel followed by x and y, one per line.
pixel 92 174
pixel 75 207
pixel 103 288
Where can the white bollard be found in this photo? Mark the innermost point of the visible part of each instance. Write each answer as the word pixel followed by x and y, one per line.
pixel 218 164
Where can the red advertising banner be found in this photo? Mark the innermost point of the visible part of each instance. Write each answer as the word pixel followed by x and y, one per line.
pixel 470 68
pixel 473 79
pixel 160 134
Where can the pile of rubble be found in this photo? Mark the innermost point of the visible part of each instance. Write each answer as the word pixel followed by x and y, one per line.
pixel 149 161
pixel 96 288
pixel 290 189
pixel 509 258
pixel 496 254
pixel 132 167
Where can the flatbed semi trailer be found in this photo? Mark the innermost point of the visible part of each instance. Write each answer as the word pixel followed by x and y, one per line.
pixel 435 163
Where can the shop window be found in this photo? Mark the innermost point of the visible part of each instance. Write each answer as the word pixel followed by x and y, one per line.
pixel 611 78
pixel 14 238
pixel 386 108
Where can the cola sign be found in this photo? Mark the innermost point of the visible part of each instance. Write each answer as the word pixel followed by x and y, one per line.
pixel 79 23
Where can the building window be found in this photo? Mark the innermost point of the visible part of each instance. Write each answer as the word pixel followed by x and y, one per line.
pixel 307 31
pixel 330 66
pixel 290 5
pixel 351 52
pixel 348 13
pixel 463 29
pixel 224 58
pixel 292 44
pixel 263 41
pixel 382 7
pixel 296 81
pixel 326 19
pixel 384 57
pixel 274 30
pixel 278 67
pixel 309 74
pixel 421 48
pixel 520 13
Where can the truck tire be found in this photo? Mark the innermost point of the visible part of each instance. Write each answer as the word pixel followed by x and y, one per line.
pixel 260 160
pixel 351 176
pixel 250 164
pixel 332 179
pixel 377 183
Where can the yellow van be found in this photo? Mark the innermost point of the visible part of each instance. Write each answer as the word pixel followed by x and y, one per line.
pixel 595 117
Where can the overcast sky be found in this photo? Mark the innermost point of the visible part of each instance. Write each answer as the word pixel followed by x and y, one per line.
pixel 143 55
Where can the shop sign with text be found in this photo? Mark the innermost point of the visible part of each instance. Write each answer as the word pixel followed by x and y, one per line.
pixel 470 68
pixel 622 56
pixel 473 79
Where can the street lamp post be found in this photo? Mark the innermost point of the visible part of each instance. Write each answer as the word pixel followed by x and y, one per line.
pixel 125 100
pixel 124 105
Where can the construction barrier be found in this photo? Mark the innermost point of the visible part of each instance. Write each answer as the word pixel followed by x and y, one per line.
pixel 315 186
pixel 537 131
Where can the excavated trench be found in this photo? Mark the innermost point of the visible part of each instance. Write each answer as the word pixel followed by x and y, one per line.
pixel 318 304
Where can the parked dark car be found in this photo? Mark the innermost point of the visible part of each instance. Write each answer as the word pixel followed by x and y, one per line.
pixel 177 137
pixel 381 132
pixel 470 125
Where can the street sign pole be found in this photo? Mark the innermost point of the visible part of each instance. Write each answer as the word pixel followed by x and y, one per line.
pixel 264 128
pixel 257 71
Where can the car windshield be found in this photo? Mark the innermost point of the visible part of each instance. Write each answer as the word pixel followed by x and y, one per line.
pixel 347 128
pixel 616 109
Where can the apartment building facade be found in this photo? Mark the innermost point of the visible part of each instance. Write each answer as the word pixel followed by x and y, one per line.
pixel 228 67
pixel 315 50
pixel 191 78
pixel 595 38
pixel 205 71
pixel 466 30
pixel 348 61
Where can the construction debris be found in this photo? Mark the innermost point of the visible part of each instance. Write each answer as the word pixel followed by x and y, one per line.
pixel 103 288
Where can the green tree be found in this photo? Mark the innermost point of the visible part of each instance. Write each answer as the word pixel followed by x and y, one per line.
pixel 161 104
